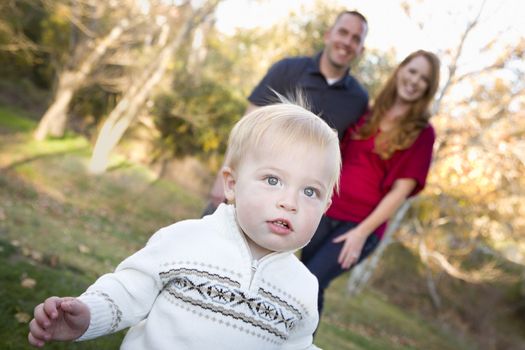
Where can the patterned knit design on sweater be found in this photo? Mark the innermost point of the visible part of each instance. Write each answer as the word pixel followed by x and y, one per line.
pixel 222 295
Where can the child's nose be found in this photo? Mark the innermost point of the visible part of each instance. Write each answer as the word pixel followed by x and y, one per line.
pixel 288 201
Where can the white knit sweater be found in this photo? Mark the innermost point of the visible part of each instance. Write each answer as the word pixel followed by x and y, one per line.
pixel 196 286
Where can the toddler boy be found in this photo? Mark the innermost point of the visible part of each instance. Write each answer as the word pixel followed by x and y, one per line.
pixel 229 280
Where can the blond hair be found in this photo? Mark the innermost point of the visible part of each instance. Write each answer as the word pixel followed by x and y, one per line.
pixel 291 125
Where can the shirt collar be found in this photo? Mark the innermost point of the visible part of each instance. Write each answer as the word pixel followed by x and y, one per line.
pixel 316 69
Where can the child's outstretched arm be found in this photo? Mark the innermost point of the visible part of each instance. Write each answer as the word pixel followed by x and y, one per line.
pixel 58 319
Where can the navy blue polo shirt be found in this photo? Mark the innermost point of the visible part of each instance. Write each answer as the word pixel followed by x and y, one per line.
pixel 340 104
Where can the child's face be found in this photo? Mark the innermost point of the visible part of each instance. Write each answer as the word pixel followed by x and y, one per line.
pixel 281 195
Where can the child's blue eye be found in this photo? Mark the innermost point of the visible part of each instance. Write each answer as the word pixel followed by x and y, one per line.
pixel 272 180
pixel 309 192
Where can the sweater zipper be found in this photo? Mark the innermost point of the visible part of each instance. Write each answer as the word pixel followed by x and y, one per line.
pixel 255 264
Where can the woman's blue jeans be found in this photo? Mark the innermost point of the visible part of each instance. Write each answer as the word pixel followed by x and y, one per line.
pixel 320 255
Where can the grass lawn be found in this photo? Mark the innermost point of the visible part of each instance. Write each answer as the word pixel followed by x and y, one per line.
pixel 60 228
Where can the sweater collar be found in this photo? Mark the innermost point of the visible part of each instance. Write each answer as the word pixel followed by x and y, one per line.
pixel 234 230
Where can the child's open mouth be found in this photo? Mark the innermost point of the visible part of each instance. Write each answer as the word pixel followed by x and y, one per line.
pixel 280 226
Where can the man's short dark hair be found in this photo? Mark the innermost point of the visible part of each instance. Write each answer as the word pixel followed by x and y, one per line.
pixel 353 13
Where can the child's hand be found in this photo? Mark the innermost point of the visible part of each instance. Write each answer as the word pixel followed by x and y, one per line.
pixel 58 319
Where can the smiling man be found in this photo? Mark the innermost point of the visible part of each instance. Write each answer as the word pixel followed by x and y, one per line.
pixel 324 79
pixel 334 94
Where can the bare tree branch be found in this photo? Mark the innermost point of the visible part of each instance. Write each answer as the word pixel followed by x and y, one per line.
pixel 452 67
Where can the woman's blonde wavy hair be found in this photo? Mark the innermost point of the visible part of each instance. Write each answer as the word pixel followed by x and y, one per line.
pixel 415 119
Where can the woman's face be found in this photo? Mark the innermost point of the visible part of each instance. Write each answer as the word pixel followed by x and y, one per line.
pixel 413 79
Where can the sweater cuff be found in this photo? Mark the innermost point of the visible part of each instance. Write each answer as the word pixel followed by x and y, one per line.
pixel 105 315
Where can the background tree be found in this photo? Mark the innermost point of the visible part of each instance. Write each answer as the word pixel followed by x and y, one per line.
pixel 94 27
pixel 14 40
pixel 24 64
pixel 188 18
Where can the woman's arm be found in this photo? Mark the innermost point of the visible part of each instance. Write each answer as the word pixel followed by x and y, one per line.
pixel 356 237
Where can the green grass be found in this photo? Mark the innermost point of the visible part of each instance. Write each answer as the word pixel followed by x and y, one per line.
pixel 60 207
pixel 63 227
pixel 370 321
pixel 15 119
pixel 17 300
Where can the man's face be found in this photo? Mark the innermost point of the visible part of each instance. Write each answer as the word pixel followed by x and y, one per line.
pixel 280 195
pixel 345 40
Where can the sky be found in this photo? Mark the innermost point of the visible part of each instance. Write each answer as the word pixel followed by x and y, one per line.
pixel 389 26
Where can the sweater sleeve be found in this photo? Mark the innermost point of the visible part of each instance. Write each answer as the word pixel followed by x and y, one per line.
pixel 123 298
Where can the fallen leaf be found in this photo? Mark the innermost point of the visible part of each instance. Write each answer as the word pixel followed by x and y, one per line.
pixel 52 260
pixel 83 249
pixel 2 214
pixel 28 283
pixel 36 255
pixel 22 317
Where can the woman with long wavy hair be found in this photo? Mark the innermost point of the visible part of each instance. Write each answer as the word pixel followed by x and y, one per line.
pixel 386 158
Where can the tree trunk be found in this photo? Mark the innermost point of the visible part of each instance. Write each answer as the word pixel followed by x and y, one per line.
pixel 127 109
pixel 55 118
pixel 362 273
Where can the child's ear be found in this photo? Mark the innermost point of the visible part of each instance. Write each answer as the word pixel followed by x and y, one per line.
pixel 228 181
pixel 328 203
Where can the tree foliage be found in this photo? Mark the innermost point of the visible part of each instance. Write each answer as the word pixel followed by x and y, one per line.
pixel 196 120
pixel 24 60
pixel 469 219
